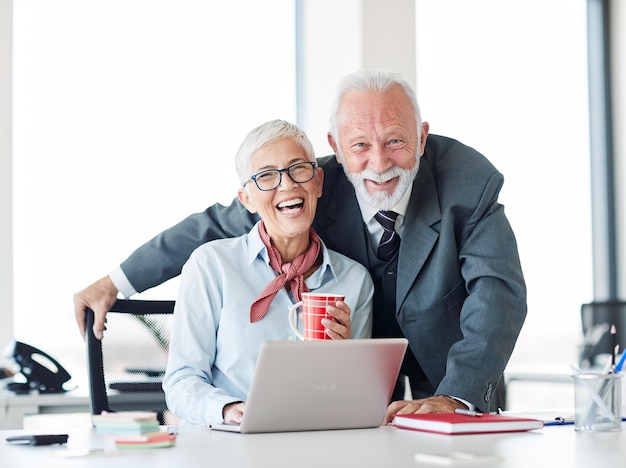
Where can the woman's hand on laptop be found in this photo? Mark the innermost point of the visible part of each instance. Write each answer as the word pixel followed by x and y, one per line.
pixel 340 328
pixel 233 412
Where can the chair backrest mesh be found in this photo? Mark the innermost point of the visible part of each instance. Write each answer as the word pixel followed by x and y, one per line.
pixel 134 356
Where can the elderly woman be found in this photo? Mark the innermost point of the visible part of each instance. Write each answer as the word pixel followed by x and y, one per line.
pixel 235 293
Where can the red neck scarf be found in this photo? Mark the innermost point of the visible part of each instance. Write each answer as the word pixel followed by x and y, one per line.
pixel 289 272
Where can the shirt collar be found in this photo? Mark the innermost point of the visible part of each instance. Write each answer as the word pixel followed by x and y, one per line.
pixel 256 249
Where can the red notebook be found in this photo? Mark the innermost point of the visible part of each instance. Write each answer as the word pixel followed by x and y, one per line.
pixel 453 423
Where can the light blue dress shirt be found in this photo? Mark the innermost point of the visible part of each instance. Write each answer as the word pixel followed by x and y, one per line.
pixel 214 346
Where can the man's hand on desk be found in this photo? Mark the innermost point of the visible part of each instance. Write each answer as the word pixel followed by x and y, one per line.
pixel 436 404
pixel 99 297
pixel 233 412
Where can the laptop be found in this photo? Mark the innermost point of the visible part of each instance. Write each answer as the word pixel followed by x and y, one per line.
pixel 321 385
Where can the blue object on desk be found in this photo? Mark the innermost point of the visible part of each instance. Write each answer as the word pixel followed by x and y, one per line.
pixel 560 421
pixel 618 367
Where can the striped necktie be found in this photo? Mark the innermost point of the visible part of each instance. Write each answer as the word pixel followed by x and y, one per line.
pixel 390 240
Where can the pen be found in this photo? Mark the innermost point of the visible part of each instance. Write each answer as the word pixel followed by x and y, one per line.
pixel 614 343
pixel 562 421
pixel 618 367
pixel 470 412
pixel 559 421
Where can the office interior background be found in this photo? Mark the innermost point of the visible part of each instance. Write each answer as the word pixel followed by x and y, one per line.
pixel 120 118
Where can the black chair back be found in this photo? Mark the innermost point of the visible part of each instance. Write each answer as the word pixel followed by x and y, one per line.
pixel 597 319
pixel 126 368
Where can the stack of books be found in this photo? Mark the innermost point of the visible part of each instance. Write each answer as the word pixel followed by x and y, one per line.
pixel 133 429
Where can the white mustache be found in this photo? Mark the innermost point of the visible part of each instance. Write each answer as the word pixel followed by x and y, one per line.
pixel 380 178
pixel 382 200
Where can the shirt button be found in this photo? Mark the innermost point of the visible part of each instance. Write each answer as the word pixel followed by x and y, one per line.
pixel 390 271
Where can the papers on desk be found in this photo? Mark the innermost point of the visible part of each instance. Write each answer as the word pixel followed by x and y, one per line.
pixel 153 440
pixel 133 429
pixel 452 423
pixel 132 422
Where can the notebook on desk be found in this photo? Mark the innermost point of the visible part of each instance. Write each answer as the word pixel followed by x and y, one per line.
pixel 321 385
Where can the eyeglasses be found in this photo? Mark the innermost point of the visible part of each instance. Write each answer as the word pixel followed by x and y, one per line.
pixel 268 180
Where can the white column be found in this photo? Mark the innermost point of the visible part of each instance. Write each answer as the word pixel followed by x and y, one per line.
pixel 337 38
pixel 388 36
pixel 6 203
pixel 618 63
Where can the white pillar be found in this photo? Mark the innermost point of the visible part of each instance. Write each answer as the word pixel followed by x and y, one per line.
pixel 337 38
pixel 6 191
pixel 618 70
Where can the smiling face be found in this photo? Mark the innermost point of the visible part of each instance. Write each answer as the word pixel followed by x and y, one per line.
pixel 378 143
pixel 289 209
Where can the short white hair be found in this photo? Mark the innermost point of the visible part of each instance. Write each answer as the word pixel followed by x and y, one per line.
pixel 372 80
pixel 263 135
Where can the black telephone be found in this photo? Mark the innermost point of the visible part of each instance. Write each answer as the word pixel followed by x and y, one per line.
pixel 42 371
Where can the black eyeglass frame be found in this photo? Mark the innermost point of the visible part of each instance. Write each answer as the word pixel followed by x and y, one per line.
pixel 280 175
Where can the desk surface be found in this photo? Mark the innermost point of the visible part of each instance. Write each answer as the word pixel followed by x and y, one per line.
pixel 384 446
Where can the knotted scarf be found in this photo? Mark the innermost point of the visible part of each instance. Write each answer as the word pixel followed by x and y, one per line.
pixel 288 272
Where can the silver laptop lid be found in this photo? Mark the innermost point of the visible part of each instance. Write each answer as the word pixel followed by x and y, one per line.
pixel 322 385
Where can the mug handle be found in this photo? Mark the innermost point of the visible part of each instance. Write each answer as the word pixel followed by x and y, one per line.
pixel 292 319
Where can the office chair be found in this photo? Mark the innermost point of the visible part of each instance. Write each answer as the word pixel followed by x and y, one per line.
pixel 126 368
pixel 597 318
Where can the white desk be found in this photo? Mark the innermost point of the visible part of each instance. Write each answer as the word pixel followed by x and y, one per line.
pixel 14 407
pixel 386 446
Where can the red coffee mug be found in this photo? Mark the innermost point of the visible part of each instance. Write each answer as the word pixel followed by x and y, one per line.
pixel 313 306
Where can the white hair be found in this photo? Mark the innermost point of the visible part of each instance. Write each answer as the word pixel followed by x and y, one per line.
pixel 372 80
pixel 263 135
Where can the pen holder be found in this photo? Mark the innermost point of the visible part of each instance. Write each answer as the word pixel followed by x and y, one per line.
pixel 598 399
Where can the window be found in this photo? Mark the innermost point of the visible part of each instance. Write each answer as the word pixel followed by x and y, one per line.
pixel 500 78
pixel 127 117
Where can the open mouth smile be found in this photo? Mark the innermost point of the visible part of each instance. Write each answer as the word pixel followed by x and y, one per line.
pixel 290 206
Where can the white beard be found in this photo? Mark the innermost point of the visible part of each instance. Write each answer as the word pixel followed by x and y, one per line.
pixel 382 200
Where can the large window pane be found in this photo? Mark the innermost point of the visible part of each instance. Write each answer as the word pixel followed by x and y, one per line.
pixel 510 79
pixel 128 114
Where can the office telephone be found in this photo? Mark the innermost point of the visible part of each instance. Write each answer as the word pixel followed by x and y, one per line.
pixel 41 371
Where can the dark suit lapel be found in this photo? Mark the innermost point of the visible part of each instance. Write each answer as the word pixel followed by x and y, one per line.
pixel 339 221
pixel 418 237
pixel 340 224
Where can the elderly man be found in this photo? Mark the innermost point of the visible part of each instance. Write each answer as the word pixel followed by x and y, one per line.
pixel 421 212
